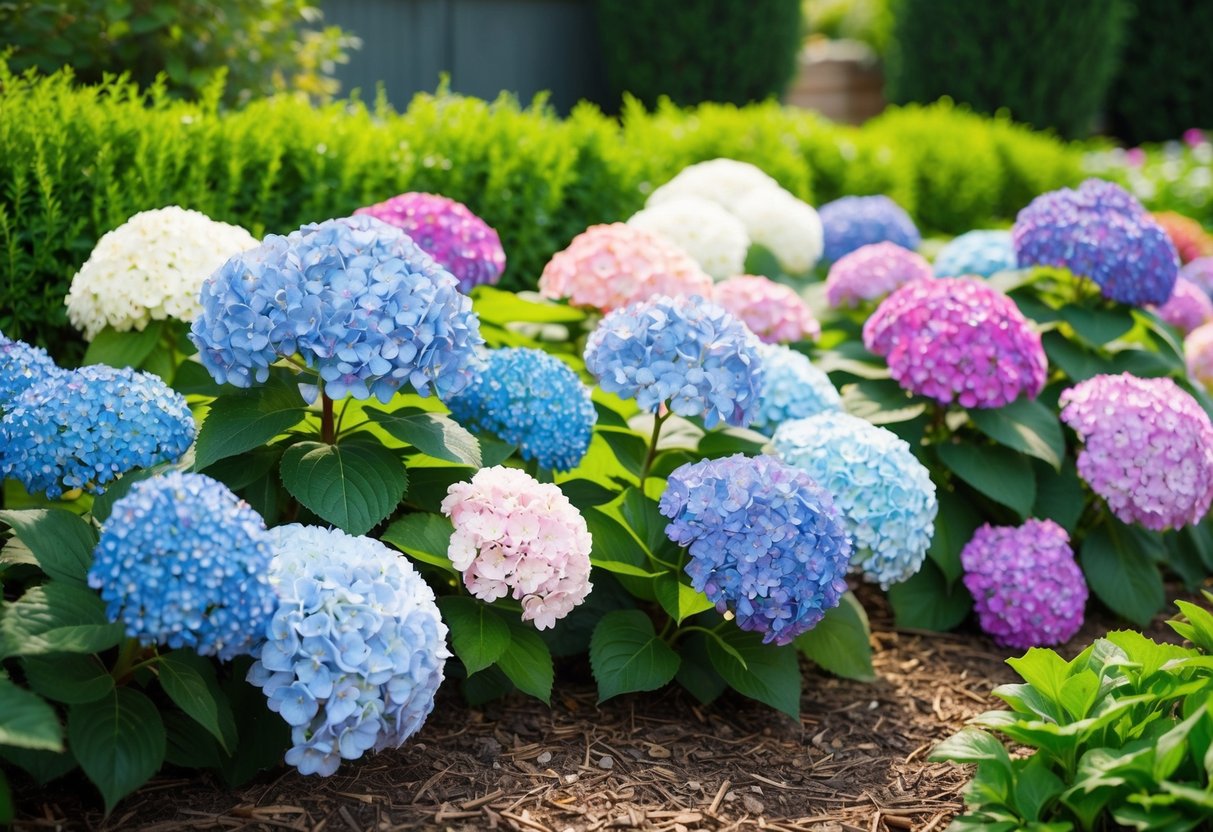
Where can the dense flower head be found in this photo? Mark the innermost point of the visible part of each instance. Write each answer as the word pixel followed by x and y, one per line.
pixel 688 353
pixel 765 542
pixel 787 227
pixel 1200 272
pixel 772 311
pixel 724 181
pixel 609 266
pixel 870 272
pixel 184 562
pixel 982 253
pixel 355 650
pixel 84 428
pixel 792 388
pixel 1188 307
pixel 151 268
pixel 21 365
pixel 461 242
pixel 1100 232
pixel 533 400
pixel 1147 448
pixel 852 222
pixel 1189 236
pixel 716 239
pixel 518 537
pixel 1027 589
pixel 354 298
pixel 1198 355
pixel 884 493
pixel 957 339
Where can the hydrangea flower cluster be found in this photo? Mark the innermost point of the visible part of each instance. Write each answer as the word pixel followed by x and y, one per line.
pixel 609 266
pixel 724 181
pixel 1200 272
pixel 685 352
pixel 84 428
pixel 957 339
pixel 516 536
pixel 870 272
pixel 355 650
pixel 786 226
pixel 1100 232
pixel 461 242
pixel 355 298
pixel 856 221
pixel 765 542
pixel 1027 589
pixel 533 400
pixel 1188 307
pixel 982 253
pixel 1198 355
pixel 772 311
pixel 716 239
pixel 184 562
pixel 21 366
pixel 150 268
pixel 884 493
pixel 1147 448
pixel 1189 236
pixel 792 388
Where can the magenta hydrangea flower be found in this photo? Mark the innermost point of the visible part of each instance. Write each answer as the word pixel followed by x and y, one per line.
pixel 1200 272
pixel 772 311
pixel 516 536
pixel 1188 308
pixel 465 245
pixel 871 272
pixel 1147 448
pixel 1027 590
pixel 1198 354
pixel 957 339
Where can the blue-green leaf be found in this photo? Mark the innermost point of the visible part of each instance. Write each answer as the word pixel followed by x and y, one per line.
pixel 61 541
pixel 119 742
pixel 627 656
pixel 353 485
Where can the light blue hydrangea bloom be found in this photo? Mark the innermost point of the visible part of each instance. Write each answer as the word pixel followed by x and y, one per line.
pixel 981 253
pixel 84 428
pixel 355 651
pixel 183 562
pixel 532 400
pixel 792 388
pixel 354 298
pixel 21 365
pixel 885 494
pixel 765 541
pixel 686 352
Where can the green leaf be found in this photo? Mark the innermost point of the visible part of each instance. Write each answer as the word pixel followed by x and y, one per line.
pixel 1121 576
pixel 68 677
pixel 840 643
pixel 1059 496
pixel 696 673
pixel 1035 787
pixel 630 450
pixel 766 673
pixel 237 472
pixel 612 543
pixel 27 720
pixel 56 618
pixel 585 493
pixel 881 402
pixel 954 527
pixel 528 663
pixel 1024 425
pixel 485 686
pixel 242 421
pixel 103 503
pixel 423 536
pixel 1077 362
pixel 925 602
pixel 618 567
pixel 61 541
pixel 123 349
pixel 1001 474
pixel 644 518
pixel 1044 670
pixel 478 634
pixel 679 600
pixel 971 745
pixel 190 692
pixel 119 741
pixel 501 307
pixel 718 443
pixel 627 656
pixel 1098 326
pixel 428 486
pixel 263 733
pixel 353 485
pixel 7 810
pixel 435 434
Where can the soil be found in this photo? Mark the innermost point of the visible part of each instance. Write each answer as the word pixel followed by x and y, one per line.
pixel 856 760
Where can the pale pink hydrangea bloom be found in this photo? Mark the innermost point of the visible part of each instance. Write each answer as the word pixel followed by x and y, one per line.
pixel 1188 308
pixel 873 271
pixel 772 311
pixel 1198 354
pixel 516 536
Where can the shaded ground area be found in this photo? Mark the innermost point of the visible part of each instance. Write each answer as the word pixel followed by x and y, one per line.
pixel 854 761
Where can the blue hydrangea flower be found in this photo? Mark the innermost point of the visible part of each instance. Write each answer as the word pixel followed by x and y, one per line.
pixel 355 651
pixel 353 298
pixel 184 562
pixel 765 541
pixel 792 388
pixel 1101 232
pixel 981 253
pixel 852 222
pixel 532 400
pixel 21 365
pixel 686 352
pixel 84 428
pixel 885 494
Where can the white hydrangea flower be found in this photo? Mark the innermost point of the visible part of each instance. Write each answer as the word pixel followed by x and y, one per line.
pixel 787 226
pixel 723 181
pixel 711 235
pixel 150 268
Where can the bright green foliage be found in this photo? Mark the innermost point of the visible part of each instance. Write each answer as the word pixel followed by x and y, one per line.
pixel 869 21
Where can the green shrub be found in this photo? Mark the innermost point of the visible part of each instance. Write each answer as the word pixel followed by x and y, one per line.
pixel 1048 63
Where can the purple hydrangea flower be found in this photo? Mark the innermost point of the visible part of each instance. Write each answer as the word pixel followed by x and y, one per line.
pixel 1147 448
pixel 1188 308
pixel 21 365
pixel 871 272
pixel 982 253
pixel 957 339
pixel 1100 232
pixel 855 221
pixel 1027 589
pixel 765 542
pixel 1200 272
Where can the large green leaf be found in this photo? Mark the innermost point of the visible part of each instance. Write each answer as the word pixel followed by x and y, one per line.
pixel 239 422
pixel 696 673
pixel 612 544
pixel 123 349
pixel 527 662
pixel 1024 425
pixel 766 673
pixel 478 634
pixel 61 541
pixel 119 741
pixel 1001 474
pixel 57 618
pixel 263 734
pixel 881 402
pixel 423 536
pixel 630 450
pixel 679 600
pixel 435 434
pixel 502 307
pixel 1076 361
pixel 27 720
pixel 68 677
pixel 925 602
pixel 1059 496
pixel 1121 575
pixel 1098 325
pixel 353 485
pixel 954 527
pixel 188 689
pixel 840 643
pixel 972 745
pixel 627 656
pixel 103 503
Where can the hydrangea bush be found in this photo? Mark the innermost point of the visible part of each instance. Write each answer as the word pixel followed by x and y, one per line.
pixel 772 311
pixel 871 272
pixel 851 222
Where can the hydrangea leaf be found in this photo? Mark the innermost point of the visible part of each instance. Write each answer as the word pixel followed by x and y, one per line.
pixel 1025 425
pixel 629 449
pixel 627 656
pixel 1121 576
pixel 527 663
pixel 188 689
pixel 242 421
pixel 1059 496
pixel 435 434
pixel 119 741
pixel 352 485
pixel 103 503
pixel 954 528
pixel 880 402
pixel 770 674
pixel 478 634
pixel 61 541
pixel 924 602
pixel 423 536
pixel 998 472
pixel 28 720
pixel 696 673
pixel 56 618
pixel 501 307
pixel 840 642
pixel 678 599
pixel 68 677
pixel 1098 326
pixel 123 349
pixel 615 549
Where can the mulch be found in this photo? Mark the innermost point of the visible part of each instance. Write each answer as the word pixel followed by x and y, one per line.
pixel 856 760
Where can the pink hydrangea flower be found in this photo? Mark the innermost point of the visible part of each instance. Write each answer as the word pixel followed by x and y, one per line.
pixel 957 339
pixel 1200 272
pixel 772 311
pixel 1198 354
pixel 609 266
pixel 1027 590
pixel 1188 308
pixel 1189 236
pixel 871 272
pixel 516 536
pixel 1147 448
